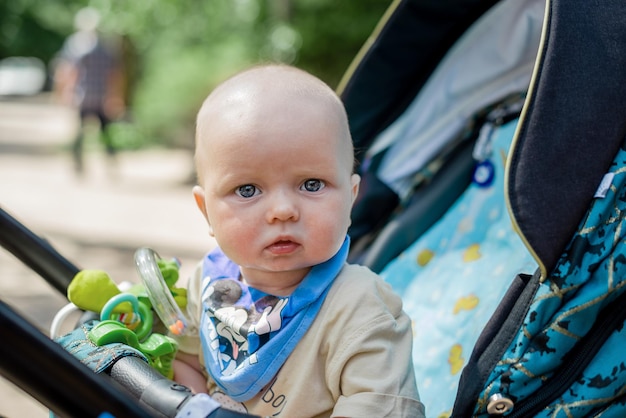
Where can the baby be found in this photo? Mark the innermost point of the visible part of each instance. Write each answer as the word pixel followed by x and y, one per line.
pixel 286 326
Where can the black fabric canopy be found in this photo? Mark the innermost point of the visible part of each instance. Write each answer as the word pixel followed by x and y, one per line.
pixel 400 56
pixel 573 123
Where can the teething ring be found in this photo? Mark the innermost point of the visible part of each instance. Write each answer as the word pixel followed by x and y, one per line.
pixel 139 308
pixel 159 294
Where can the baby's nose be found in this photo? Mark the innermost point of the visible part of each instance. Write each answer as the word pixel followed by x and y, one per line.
pixel 282 208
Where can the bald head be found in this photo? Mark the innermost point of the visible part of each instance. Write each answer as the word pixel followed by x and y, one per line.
pixel 270 97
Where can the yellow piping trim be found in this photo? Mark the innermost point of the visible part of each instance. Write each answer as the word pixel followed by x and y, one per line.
pixel 366 47
pixel 535 75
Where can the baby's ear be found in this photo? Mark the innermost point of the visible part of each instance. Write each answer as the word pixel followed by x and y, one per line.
pixel 198 195
pixel 355 180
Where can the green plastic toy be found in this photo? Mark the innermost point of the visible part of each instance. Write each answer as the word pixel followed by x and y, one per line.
pixel 127 317
pixel 90 290
pixel 158 348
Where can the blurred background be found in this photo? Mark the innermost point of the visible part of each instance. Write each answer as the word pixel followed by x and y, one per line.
pixel 173 53
pixel 98 181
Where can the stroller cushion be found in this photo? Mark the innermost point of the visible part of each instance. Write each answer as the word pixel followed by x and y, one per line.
pixel 453 277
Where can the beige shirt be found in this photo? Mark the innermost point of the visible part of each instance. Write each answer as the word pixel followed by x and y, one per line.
pixel 354 361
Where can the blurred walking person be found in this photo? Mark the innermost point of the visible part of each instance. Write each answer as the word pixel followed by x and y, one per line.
pixel 88 74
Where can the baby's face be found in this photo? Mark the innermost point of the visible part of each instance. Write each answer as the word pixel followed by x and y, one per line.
pixel 278 187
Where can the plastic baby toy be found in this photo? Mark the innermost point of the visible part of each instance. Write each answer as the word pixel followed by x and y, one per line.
pixel 127 317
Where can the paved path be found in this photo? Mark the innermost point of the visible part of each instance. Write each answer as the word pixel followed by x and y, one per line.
pixel 97 221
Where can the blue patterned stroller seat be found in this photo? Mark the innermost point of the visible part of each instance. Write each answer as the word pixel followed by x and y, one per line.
pixel 454 276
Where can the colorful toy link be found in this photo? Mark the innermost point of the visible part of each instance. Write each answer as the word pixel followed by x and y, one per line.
pixel 143 326
pixel 158 348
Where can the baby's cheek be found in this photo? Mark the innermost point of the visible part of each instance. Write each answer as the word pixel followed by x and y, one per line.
pixel 326 237
pixel 237 240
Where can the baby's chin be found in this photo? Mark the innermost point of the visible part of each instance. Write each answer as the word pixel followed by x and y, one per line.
pixel 286 259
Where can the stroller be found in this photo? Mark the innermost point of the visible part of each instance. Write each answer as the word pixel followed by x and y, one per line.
pixel 453 262
pixel 547 148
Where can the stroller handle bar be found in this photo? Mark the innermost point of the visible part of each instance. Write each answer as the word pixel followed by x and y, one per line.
pixel 163 397
pixel 36 253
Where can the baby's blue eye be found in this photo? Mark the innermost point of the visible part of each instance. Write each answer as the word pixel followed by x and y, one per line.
pixel 313 185
pixel 247 191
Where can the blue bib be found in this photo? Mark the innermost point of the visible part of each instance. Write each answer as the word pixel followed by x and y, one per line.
pixel 247 334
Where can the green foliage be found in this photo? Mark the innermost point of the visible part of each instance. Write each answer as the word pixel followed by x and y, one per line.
pixel 177 51
pixel 333 32
pixel 169 94
pixel 22 33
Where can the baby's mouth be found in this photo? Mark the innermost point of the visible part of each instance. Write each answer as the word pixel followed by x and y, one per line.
pixel 282 247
